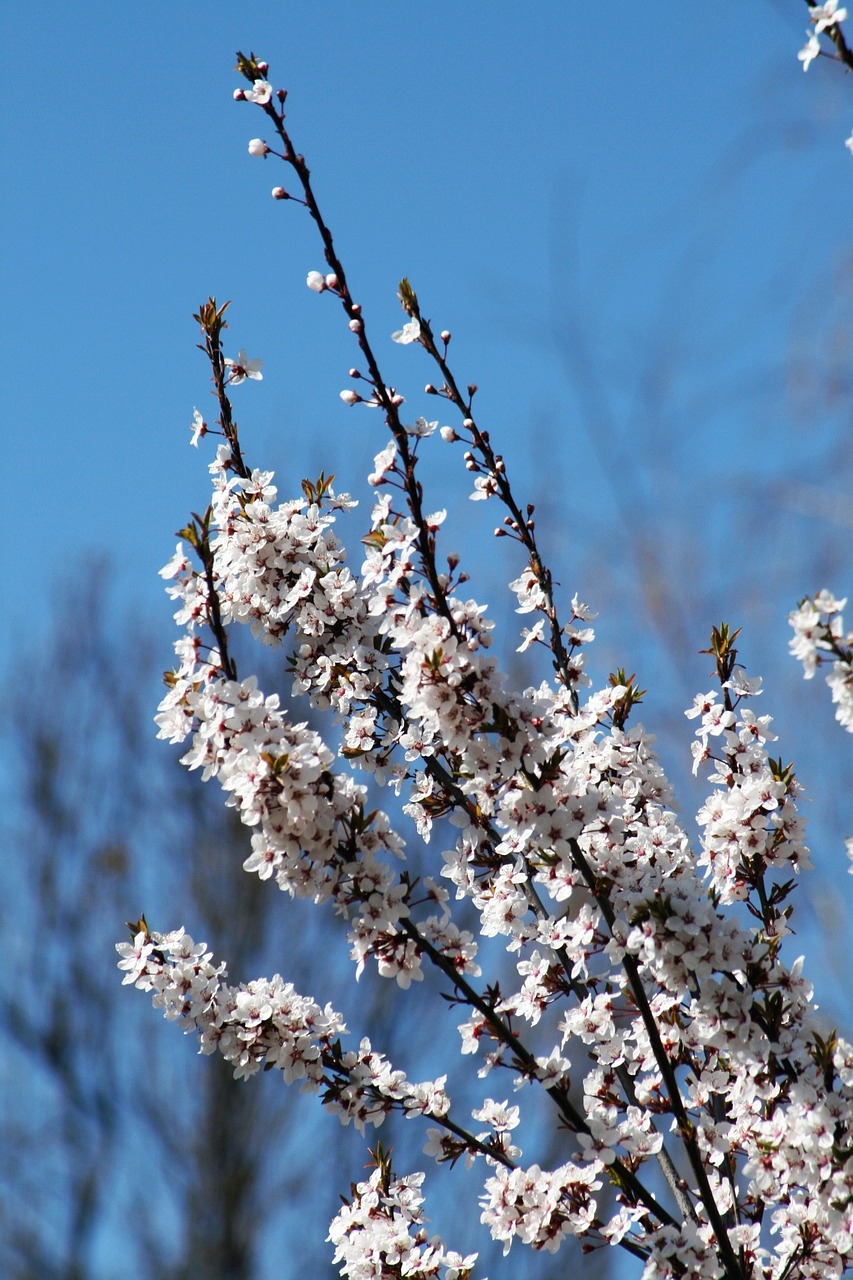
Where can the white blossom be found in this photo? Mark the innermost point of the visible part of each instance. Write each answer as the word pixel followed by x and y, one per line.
pixel 410 332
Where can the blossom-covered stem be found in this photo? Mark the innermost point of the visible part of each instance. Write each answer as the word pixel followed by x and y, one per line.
pixel 686 1128
pixel 211 319
pixel 339 1075
pixel 522 525
pixel 458 799
pixel 384 395
pixel 836 35
pixel 573 1118
pixel 215 622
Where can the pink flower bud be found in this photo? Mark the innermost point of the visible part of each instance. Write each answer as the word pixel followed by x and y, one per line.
pixel 397 400
pixel 257 147
pixel 356 326
pixel 279 193
pixel 263 67
pixel 448 434
pixel 445 336
pixel 238 95
pixel 350 397
pixel 331 280
pixel 315 281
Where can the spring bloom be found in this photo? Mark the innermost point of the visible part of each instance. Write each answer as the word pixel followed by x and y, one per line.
pixel 198 427
pixel 260 92
pixel 243 368
pixel 810 50
pixel 409 333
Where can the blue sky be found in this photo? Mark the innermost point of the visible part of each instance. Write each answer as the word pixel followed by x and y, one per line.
pixel 633 220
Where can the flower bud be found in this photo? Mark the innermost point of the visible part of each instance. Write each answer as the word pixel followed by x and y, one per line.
pixel 356 326
pixel 263 67
pixel 315 281
pixel 331 280
pixel 257 147
pixel 279 193
pixel 448 434
pixel 445 336
pixel 397 399
pixel 238 95
pixel 430 390
pixel 350 397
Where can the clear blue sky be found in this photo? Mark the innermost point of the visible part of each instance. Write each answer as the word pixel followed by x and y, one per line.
pixel 634 219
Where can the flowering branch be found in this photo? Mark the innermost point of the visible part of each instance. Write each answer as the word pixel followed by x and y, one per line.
pixel 659 968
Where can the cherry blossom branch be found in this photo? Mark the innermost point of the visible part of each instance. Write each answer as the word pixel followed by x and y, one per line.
pixel 827 18
pixel 682 1011
pixel 383 396
pixel 522 526
pixel 558 1093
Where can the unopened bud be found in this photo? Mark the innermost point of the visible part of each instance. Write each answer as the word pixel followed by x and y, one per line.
pixel 239 95
pixel 356 308
pixel 281 94
pixel 356 326
pixel 279 193
pixel 315 281
pixel 448 434
pixel 354 373
pixel 445 336
pixel 397 399
pixel 430 390
pixel 350 397
pixel 257 147
pixel 468 424
pixel 331 280
pixel 263 67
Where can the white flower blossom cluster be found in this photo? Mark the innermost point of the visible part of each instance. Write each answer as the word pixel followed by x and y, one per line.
pixel 266 1023
pixel 821 640
pixel 681 1057
pixel 825 20
pixel 373 1235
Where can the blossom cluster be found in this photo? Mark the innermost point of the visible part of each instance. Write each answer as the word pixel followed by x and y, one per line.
pixel 373 1234
pixel 820 639
pixel 826 21
pixel 267 1023
pixel 706 1112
